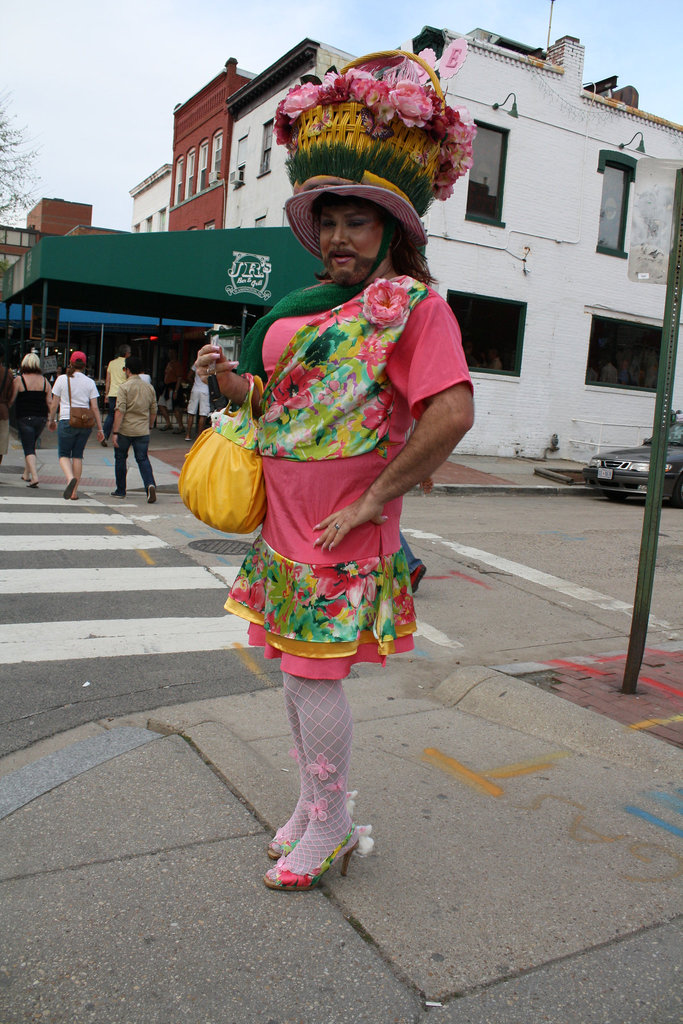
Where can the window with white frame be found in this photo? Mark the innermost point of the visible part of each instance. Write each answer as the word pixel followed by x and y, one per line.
pixel 216 156
pixel 180 163
pixel 162 219
pixel 203 165
pixel 241 159
pixel 189 179
pixel 266 147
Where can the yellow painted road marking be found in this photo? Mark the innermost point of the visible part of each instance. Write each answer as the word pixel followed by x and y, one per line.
pixel 144 556
pixel 535 764
pixel 648 723
pixel 112 529
pixel 449 764
pixel 249 661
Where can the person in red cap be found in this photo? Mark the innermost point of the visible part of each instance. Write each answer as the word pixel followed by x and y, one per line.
pixel 73 390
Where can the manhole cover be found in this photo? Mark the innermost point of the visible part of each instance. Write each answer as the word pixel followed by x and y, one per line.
pixel 220 547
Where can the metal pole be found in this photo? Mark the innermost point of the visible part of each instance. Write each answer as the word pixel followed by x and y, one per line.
pixel 550 23
pixel 660 435
pixel 43 324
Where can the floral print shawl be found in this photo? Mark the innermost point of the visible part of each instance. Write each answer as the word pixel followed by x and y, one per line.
pixel 329 395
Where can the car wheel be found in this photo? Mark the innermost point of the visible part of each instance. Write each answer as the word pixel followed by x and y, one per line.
pixel 677 493
pixel 615 495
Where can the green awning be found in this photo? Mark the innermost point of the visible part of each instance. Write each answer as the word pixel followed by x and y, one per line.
pixel 183 275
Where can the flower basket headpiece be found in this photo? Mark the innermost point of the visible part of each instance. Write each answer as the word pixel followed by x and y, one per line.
pixel 380 129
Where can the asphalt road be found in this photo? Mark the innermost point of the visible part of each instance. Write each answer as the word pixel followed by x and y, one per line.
pixel 108 609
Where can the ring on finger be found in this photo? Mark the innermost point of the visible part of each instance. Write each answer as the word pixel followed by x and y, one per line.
pixel 337 526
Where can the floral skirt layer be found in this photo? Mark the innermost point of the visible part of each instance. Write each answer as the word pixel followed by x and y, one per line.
pixel 322 619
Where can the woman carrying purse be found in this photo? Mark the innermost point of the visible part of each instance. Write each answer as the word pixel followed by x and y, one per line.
pixel 76 392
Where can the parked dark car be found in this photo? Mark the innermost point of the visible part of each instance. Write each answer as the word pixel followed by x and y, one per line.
pixel 623 473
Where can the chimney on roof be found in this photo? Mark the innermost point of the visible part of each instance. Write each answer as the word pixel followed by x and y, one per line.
pixel 568 53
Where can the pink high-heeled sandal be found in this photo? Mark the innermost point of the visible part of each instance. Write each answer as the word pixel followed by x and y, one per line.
pixel 287 881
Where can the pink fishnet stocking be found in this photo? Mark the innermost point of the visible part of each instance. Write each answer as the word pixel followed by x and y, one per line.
pixel 297 824
pixel 325 730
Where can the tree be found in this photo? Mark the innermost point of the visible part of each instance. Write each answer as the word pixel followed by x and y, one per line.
pixel 17 179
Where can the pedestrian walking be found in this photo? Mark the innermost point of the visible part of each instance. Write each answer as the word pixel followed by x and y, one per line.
pixel 73 390
pixel 114 379
pixel 198 405
pixel 6 384
pixel 170 393
pixel 31 394
pixel 136 410
pixel 348 364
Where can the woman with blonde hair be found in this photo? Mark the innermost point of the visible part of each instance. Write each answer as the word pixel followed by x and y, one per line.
pixel 32 394
pixel 73 389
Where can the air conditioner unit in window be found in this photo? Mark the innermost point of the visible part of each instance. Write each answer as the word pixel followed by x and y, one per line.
pixel 237 177
pixel 213 177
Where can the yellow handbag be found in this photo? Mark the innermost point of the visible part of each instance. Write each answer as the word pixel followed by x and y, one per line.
pixel 222 482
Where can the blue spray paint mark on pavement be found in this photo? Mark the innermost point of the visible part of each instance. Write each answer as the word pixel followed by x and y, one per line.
pixel 668 799
pixel 639 813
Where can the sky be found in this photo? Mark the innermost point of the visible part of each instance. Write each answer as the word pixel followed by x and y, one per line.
pixel 94 85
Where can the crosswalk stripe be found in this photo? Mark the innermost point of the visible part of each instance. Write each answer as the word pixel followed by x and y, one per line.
pixel 110 638
pixel 80 542
pixel 116 579
pixel 63 518
pixel 13 499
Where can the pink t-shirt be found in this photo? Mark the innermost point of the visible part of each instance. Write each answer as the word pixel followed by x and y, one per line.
pixel 427 358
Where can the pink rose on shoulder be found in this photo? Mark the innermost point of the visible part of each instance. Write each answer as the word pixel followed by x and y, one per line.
pixel 386 303
pixel 303 97
pixel 452 58
pixel 413 105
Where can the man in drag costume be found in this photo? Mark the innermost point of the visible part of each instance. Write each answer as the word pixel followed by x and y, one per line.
pixel 348 365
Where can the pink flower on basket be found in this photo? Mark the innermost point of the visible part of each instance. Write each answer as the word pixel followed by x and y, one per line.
pixel 304 97
pixel 322 768
pixel 318 810
pixel 452 58
pixel 412 103
pixel 386 303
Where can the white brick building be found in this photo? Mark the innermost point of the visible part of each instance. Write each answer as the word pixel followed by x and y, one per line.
pixel 530 250
pixel 151 201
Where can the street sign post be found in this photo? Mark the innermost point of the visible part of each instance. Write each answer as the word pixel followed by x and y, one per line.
pixel 659 187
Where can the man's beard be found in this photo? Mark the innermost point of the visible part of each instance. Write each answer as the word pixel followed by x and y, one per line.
pixel 352 273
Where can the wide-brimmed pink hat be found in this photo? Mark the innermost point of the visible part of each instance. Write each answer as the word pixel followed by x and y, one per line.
pixel 304 223
pixel 379 130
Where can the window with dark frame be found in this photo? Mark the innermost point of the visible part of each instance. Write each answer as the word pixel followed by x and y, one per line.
pixel 623 354
pixel 266 147
pixel 492 331
pixel 487 176
pixel 618 171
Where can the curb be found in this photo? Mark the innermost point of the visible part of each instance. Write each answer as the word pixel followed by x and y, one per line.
pixel 515 704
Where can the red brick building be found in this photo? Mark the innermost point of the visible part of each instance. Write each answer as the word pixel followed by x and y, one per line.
pixel 202 132
pixel 58 217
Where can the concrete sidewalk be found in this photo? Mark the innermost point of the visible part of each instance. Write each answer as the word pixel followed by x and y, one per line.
pixel 464 474
pixel 527 867
pixel 527 863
